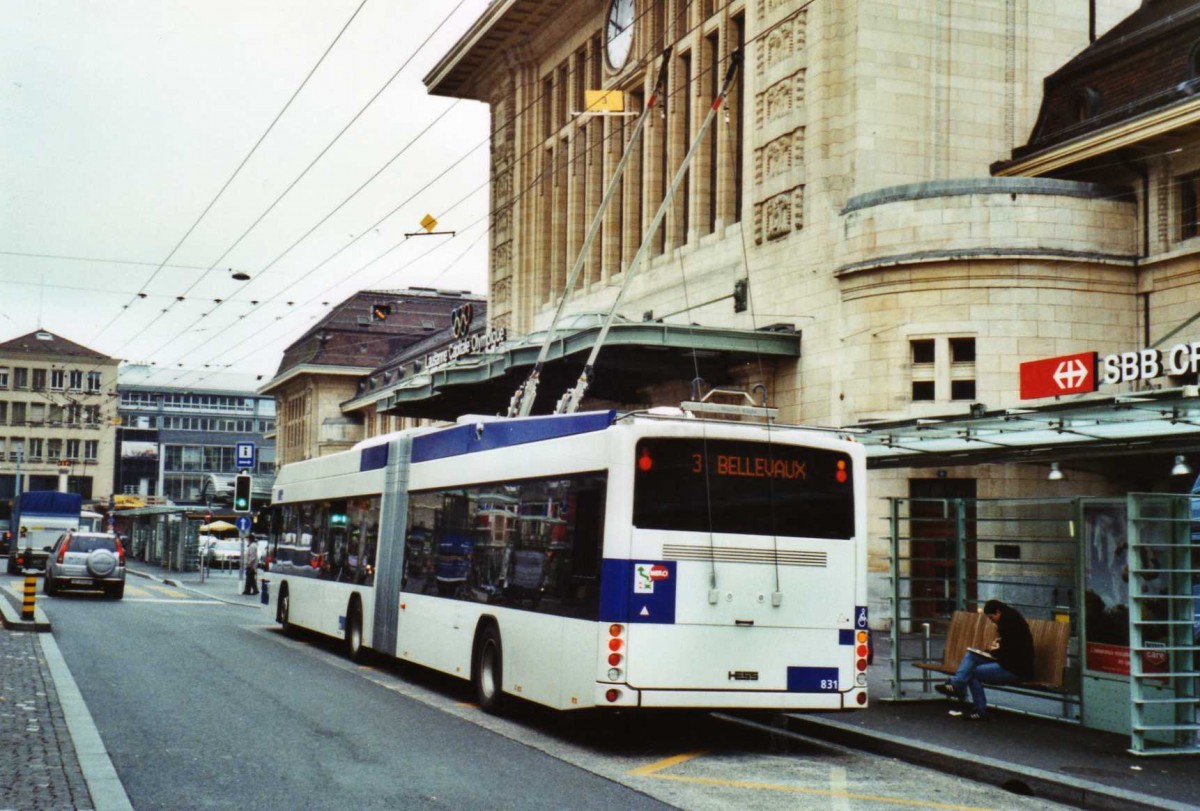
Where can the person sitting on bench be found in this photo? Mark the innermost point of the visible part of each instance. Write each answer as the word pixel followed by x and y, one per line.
pixel 1010 659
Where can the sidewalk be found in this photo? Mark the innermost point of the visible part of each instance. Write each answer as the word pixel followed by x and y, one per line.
pixel 1025 754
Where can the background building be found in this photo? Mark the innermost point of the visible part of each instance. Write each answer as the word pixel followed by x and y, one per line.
pixel 57 408
pixel 173 441
pixel 328 365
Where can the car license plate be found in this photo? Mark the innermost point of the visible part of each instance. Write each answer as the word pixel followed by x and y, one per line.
pixel 81 581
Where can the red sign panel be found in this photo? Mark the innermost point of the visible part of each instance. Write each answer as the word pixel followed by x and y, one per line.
pixel 1066 374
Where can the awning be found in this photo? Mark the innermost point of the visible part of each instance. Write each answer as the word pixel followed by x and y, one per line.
pixel 635 356
pixel 1128 431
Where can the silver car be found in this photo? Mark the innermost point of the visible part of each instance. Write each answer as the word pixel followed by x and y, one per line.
pixel 93 560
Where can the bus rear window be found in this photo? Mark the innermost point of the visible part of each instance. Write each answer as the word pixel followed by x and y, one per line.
pixel 755 488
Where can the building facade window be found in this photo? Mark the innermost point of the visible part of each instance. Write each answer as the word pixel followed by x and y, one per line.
pixel 18 413
pixel 76 379
pixel 93 382
pixel 20 377
pixel 90 449
pixel 943 368
pixel 39 379
pixel 3 377
pixel 73 449
pixel 58 379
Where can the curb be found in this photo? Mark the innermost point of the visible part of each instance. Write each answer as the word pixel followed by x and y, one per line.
pixel 11 616
pixel 1022 780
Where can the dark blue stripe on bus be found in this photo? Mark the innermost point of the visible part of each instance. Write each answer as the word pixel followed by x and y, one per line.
pixel 463 439
pixel 373 458
pixel 637 591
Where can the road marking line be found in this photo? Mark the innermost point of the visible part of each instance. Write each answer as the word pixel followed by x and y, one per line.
pixel 173 600
pixel 654 770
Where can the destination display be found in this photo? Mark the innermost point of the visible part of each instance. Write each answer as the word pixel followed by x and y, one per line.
pixel 743 487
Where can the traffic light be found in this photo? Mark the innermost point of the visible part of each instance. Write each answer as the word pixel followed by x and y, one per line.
pixel 241 493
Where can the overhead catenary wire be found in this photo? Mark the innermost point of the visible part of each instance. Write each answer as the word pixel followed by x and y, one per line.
pixel 484 185
pixel 408 265
pixel 323 151
pixel 240 166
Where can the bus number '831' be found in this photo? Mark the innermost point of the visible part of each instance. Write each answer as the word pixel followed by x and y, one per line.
pixel 829 684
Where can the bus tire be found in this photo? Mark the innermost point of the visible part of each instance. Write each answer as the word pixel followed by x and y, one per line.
pixel 281 611
pixel 489 670
pixel 354 631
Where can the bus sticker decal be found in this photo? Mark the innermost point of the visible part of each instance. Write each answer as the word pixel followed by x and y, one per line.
pixel 645 575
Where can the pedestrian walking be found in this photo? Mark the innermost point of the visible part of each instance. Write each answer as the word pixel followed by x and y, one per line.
pixel 251 562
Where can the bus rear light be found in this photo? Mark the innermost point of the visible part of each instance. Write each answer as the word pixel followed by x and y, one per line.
pixel 615 644
pixel 645 463
pixel 611 695
pixel 616 630
pixel 862 637
pixel 861 698
pixel 614 659
pixel 861 679
pixel 614 674
pixel 862 651
pixel 861 664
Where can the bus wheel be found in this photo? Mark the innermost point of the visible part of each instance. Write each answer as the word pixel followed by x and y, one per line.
pixel 281 613
pixel 489 670
pixel 354 633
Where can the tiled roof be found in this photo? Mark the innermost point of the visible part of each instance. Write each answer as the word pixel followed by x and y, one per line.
pixel 44 342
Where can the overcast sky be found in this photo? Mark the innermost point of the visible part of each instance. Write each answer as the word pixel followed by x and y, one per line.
pixel 121 121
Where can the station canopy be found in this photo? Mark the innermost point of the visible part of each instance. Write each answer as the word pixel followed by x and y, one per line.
pixel 1130 433
pixel 635 357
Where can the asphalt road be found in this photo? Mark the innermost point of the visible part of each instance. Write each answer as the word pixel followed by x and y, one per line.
pixel 206 705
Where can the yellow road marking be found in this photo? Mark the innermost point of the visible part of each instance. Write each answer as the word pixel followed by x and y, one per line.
pixel 170 592
pixel 654 769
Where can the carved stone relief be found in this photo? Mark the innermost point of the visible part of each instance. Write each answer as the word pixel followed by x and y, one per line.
pixel 778 216
pixel 501 293
pixel 780 156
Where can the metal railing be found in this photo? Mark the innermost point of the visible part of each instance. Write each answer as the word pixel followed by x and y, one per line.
pixel 952 555
pixel 1164 623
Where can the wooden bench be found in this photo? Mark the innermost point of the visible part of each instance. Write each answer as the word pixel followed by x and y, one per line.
pixel 969 629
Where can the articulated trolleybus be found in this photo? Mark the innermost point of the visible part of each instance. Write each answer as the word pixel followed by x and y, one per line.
pixel 651 559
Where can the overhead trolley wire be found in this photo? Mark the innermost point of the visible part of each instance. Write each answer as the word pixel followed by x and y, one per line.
pixel 236 172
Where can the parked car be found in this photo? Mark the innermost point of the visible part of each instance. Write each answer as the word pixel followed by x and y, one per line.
pixel 224 554
pixel 92 560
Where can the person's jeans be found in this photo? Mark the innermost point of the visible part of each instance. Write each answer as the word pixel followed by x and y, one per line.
pixel 976 671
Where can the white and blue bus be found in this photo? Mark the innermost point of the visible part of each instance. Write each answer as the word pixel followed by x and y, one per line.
pixel 650 559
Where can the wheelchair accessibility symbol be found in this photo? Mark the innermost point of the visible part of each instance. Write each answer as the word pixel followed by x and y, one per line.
pixel 862 616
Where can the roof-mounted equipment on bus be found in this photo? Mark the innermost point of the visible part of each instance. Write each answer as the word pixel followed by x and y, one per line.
pixel 747 408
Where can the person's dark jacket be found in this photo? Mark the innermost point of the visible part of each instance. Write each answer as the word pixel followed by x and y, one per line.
pixel 1015 653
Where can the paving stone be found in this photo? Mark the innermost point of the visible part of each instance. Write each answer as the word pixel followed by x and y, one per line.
pixel 40 768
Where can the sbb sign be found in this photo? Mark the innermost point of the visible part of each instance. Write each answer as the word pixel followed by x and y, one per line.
pixel 1145 364
pixel 1085 371
pixel 1050 377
